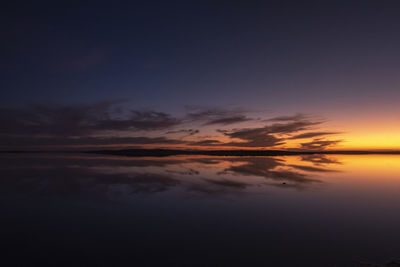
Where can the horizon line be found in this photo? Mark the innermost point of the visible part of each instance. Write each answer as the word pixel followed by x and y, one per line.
pixel 138 152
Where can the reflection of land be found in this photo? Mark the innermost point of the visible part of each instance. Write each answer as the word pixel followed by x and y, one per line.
pixel 113 178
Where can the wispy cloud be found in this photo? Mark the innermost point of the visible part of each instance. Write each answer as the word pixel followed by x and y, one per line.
pixel 267 136
pixel 37 142
pixel 312 134
pixel 318 144
pixel 112 123
pixel 211 116
pixel 186 132
pixel 229 120
pixel 257 137
pixel 81 120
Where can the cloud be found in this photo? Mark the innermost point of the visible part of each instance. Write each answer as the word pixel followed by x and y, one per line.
pixel 213 116
pixel 141 120
pixel 83 120
pixel 229 120
pixel 318 144
pixel 266 136
pixel 250 139
pixel 312 134
pixel 187 132
pixel 198 113
pixel 207 142
pixel 109 123
pixel 254 138
pixel 271 135
pixel 43 142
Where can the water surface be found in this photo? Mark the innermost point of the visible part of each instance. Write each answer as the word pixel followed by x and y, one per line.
pixel 314 210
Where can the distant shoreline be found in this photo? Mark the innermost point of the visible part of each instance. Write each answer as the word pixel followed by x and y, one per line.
pixel 176 152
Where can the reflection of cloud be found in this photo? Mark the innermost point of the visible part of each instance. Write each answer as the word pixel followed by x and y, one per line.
pixel 187 172
pixel 311 168
pixel 268 168
pixel 207 161
pixel 227 183
pixel 110 178
pixel 318 159
pixel 81 182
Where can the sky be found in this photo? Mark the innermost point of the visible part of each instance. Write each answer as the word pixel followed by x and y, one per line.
pixel 297 75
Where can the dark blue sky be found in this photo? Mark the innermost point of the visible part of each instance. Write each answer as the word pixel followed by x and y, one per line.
pixel 161 53
pixel 323 57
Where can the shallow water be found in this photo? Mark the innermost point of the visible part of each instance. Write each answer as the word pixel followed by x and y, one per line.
pixel 314 210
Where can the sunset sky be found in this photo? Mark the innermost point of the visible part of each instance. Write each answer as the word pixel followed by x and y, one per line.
pixel 305 75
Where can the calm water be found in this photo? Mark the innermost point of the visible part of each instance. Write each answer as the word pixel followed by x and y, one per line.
pixel 82 210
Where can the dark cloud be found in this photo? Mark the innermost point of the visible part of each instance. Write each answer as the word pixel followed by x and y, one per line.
pixel 50 125
pixel 43 142
pixel 271 135
pixel 80 182
pixel 207 142
pixel 320 160
pixel 254 139
pixel 227 183
pixel 199 113
pixel 187 132
pixel 84 120
pixel 290 127
pixel 140 120
pixel 268 168
pixel 266 136
pixel 311 168
pixel 318 144
pixel 106 177
pixel 218 116
pixel 108 123
pixel 312 134
pixel 229 120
